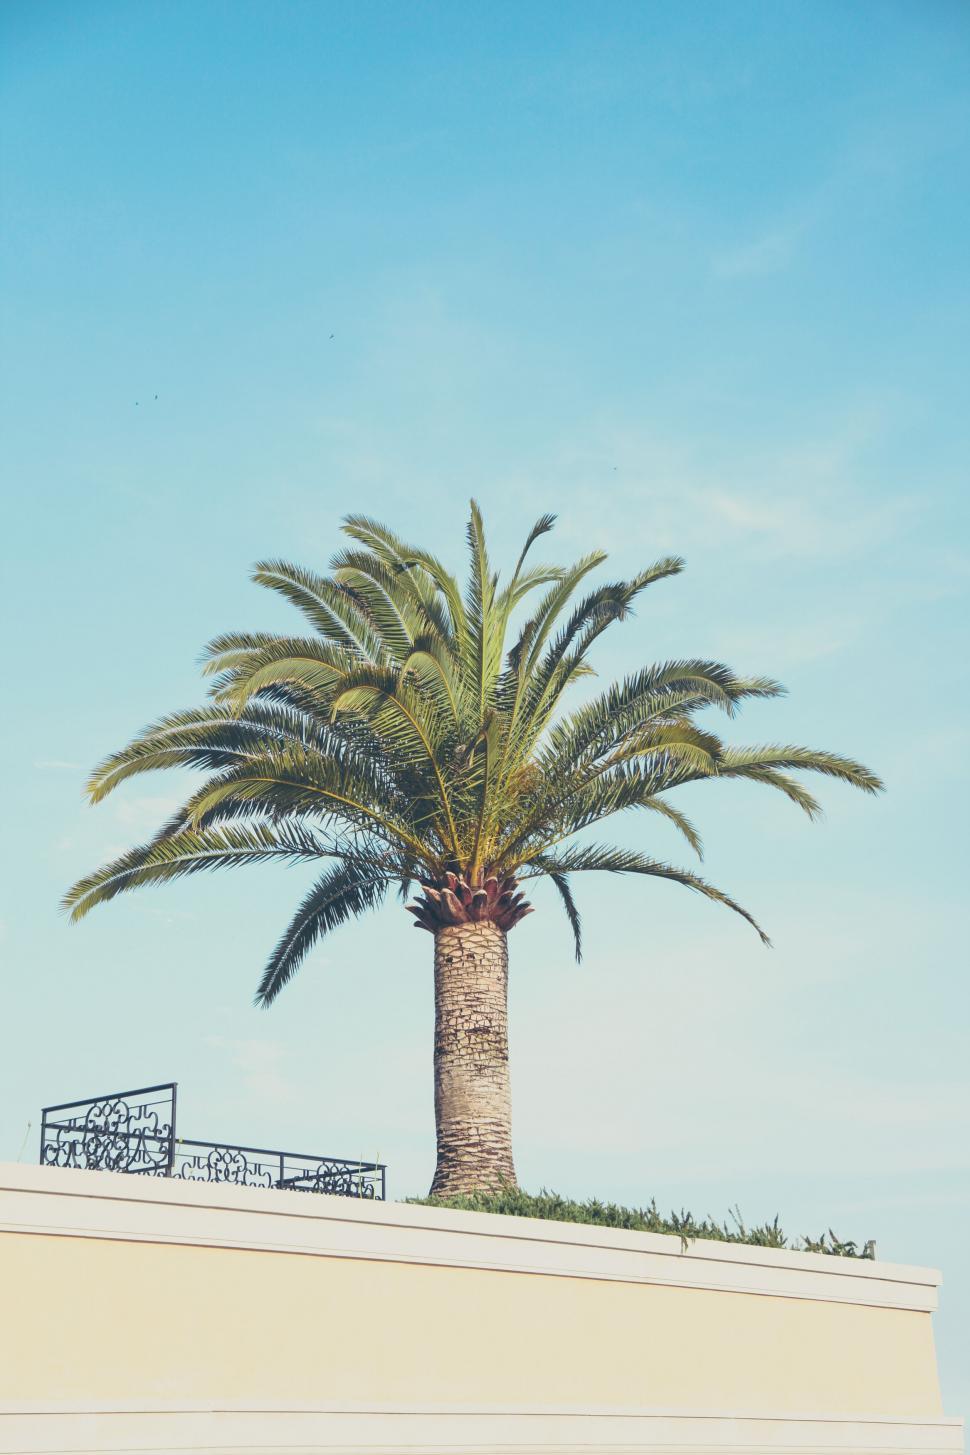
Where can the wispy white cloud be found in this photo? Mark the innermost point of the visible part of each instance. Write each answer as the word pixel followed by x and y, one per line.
pixel 114 827
pixel 146 813
pixel 57 765
pixel 947 745
pixel 140 816
pixel 798 498
pixel 876 159
pixel 771 252
pixel 791 643
pixel 261 1065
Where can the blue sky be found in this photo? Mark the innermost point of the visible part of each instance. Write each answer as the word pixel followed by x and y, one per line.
pixel 692 276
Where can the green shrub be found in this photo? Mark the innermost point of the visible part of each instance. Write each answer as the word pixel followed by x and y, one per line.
pixel 684 1225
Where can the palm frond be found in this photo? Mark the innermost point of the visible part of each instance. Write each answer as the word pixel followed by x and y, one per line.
pixel 344 892
pixel 328 791
pixel 655 694
pixel 326 605
pixel 419 731
pixel 229 649
pixel 188 853
pixel 785 784
pixel 423 572
pixel 385 598
pixel 680 821
pixel 485 639
pixel 627 861
pixel 542 527
pixel 318 668
pixel 561 881
pixel 533 636
pixel 812 760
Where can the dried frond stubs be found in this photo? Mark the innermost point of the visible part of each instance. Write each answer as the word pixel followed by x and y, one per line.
pixel 455 901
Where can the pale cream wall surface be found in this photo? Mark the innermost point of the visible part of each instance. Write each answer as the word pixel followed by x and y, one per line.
pixel 93 1319
pixel 134 1309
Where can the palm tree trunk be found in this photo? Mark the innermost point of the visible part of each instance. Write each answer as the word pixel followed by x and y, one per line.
pixel 472 1095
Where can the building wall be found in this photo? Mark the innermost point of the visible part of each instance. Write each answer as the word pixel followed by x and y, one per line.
pixel 130 1305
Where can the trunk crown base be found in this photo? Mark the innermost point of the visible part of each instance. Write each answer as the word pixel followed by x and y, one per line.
pixel 454 900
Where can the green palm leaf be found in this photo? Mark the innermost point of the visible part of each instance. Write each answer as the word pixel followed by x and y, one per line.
pixel 344 892
pixel 623 861
pixel 422 732
pixel 188 852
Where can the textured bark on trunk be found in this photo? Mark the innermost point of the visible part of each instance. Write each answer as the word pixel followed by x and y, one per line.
pixel 472 1095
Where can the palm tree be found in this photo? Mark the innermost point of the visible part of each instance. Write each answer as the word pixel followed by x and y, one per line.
pixel 419 735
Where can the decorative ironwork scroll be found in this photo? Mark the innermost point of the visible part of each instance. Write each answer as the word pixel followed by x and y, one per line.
pixel 259 1167
pixel 125 1131
pixel 206 1162
pixel 134 1131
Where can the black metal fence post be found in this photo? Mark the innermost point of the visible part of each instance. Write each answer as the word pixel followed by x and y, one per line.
pixel 171 1135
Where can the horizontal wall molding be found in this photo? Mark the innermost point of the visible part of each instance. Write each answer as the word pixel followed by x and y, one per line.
pixel 401 1431
pixel 67 1203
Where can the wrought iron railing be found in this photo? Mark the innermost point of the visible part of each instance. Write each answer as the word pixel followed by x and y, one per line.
pixel 134 1131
